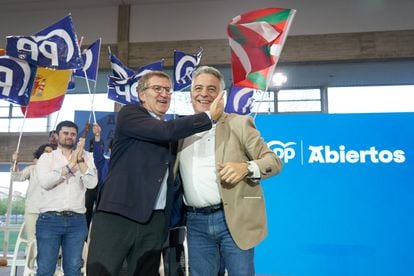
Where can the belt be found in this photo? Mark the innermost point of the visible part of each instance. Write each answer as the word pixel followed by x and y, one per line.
pixel 205 210
pixel 64 213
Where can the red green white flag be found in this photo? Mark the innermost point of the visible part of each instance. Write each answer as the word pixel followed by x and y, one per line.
pixel 256 40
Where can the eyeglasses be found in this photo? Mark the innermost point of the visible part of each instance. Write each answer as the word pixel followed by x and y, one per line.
pixel 159 89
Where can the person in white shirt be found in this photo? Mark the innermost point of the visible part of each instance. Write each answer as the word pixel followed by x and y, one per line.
pixel 221 169
pixel 64 175
pixel 33 192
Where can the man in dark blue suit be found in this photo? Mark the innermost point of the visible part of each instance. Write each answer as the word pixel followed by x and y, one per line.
pixel 132 216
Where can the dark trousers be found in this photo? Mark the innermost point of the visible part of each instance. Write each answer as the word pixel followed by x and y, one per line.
pixel 90 202
pixel 115 238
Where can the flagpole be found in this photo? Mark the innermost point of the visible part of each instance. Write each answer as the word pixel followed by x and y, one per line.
pixel 258 106
pixel 90 95
pixel 9 198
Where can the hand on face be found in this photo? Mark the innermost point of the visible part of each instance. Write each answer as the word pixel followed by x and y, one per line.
pixel 217 107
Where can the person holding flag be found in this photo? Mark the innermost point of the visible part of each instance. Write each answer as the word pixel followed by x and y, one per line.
pixel 132 217
pixel 220 170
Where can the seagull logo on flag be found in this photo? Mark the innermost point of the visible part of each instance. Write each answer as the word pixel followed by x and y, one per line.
pixel 184 66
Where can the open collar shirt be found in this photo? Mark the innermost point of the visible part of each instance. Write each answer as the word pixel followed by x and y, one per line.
pixel 64 193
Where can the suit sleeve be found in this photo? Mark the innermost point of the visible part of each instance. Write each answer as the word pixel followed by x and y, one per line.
pixel 258 151
pixel 134 121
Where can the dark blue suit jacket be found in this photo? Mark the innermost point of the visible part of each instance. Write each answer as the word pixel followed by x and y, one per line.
pixel 143 149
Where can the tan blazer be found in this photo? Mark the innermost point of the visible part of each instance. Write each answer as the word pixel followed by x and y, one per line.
pixel 237 140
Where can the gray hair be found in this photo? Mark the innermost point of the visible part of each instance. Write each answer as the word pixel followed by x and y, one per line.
pixel 209 70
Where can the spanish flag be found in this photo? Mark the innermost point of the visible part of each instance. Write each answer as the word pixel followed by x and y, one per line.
pixel 48 92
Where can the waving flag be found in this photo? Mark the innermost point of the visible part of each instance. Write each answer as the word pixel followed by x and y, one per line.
pixel 54 47
pixel 256 39
pixel 16 80
pixel 155 66
pixel 184 66
pixel 90 57
pixel 239 100
pixel 119 70
pixel 123 91
pixel 48 92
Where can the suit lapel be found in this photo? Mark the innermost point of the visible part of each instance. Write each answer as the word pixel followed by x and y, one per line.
pixel 222 135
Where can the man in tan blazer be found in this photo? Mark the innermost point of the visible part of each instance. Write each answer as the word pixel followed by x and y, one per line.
pixel 221 169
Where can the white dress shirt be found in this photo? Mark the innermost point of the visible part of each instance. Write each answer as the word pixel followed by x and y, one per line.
pixel 64 193
pixel 198 169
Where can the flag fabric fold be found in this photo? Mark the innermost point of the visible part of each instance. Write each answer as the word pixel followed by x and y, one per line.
pixel 239 100
pixel 54 47
pixel 184 66
pixel 48 92
pixel 123 91
pixel 119 70
pixel 90 58
pixel 256 39
pixel 122 85
pixel 16 80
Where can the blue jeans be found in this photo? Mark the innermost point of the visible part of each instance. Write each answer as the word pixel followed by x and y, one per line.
pixel 209 240
pixel 54 231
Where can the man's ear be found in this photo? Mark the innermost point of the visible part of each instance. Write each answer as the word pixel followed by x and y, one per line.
pixel 141 96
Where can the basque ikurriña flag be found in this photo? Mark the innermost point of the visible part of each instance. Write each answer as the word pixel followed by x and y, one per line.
pixel 239 100
pixel 184 66
pixel 90 57
pixel 54 47
pixel 48 92
pixel 256 40
pixel 16 80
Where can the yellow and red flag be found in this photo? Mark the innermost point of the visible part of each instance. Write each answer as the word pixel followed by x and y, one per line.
pixel 48 92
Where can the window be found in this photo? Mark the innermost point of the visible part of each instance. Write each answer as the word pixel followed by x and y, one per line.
pixel 371 99
pixel 299 100
pixel 12 119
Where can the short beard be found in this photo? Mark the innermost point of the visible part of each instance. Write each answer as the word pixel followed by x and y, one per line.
pixel 65 146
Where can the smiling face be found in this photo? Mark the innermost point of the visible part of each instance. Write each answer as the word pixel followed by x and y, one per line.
pixel 67 137
pixel 154 98
pixel 205 89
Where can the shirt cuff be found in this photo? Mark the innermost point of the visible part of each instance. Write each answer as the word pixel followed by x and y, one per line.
pixel 209 115
pixel 256 170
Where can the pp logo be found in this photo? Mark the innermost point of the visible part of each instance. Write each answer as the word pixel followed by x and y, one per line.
pixel 283 150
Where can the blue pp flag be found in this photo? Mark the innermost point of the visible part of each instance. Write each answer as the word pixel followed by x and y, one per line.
pixel 54 47
pixel 90 57
pixel 155 66
pixel 119 70
pixel 16 80
pixel 123 91
pixel 239 100
pixel 122 85
pixel 184 66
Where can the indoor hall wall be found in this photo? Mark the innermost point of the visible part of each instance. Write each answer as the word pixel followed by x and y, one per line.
pixel 194 20
pixel 171 20
pixel 91 22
